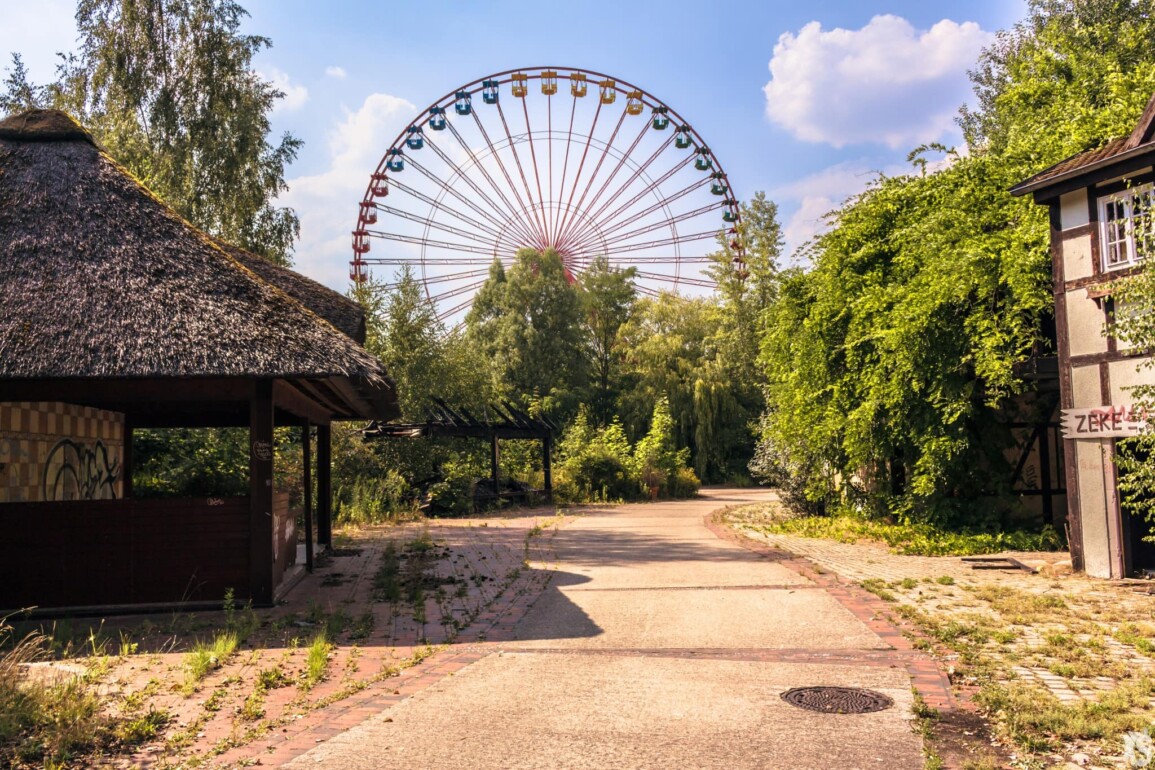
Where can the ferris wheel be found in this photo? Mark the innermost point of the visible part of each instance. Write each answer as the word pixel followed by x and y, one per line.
pixel 546 158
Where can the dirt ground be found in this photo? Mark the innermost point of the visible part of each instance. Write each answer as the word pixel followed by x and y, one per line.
pixel 211 706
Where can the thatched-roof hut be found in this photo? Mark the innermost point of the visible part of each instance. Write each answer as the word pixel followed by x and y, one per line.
pixel 117 314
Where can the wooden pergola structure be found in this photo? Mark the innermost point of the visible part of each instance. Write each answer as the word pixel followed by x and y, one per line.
pixel 117 315
pixel 508 422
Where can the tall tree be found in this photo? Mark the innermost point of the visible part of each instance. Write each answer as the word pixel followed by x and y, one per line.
pixel 529 324
pixel 608 298
pixel 168 88
pixel 889 362
pixel 19 92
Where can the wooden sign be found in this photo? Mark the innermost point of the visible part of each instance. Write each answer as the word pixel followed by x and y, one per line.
pixel 1103 422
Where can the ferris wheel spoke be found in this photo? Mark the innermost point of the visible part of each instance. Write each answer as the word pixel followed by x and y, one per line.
pixel 656 184
pixel 493 153
pixel 418 261
pixel 536 173
pixel 683 217
pixel 435 204
pixel 512 215
pixel 638 172
pixel 671 241
pixel 447 314
pixel 516 214
pixel 650 209
pixel 521 172
pixel 597 168
pixel 581 165
pixel 467 247
pixel 621 164
pixel 457 194
pixel 703 282
pixel 451 293
pixel 558 213
pixel 442 278
pixel 430 223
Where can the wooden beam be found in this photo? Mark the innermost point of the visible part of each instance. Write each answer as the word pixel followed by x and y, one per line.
pixel 126 460
pixel 494 457
pixel 325 485
pixel 292 400
pixel 110 393
pixel 261 494
pixel 307 479
pixel 546 451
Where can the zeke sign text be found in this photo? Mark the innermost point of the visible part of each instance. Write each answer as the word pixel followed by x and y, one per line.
pixel 1103 422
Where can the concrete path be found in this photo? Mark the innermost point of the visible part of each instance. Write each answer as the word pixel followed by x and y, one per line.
pixel 656 645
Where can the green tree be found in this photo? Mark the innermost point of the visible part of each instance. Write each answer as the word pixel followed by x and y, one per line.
pixel 19 92
pixel 168 88
pixel 529 324
pixel 890 361
pixel 608 298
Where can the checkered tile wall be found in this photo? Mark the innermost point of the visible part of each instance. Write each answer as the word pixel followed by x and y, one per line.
pixel 55 451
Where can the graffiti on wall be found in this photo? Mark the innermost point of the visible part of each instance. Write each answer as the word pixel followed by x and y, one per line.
pixel 74 471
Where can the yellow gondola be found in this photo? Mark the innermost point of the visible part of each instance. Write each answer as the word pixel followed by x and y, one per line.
pixel 518 84
pixel 549 82
pixel 578 85
pixel 634 103
pixel 608 92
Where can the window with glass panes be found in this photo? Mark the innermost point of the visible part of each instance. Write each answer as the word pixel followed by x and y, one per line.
pixel 1127 232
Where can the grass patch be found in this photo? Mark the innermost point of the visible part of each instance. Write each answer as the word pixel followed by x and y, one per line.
pixel 207 657
pixel 1038 721
pixel 316 661
pixel 916 539
pixel 878 588
pixel 56 722
pixel 1018 606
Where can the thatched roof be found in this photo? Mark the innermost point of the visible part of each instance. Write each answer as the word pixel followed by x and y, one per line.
pixel 335 308
pixel 99 279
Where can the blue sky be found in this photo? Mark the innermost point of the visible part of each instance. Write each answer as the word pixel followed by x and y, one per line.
pixel 805 101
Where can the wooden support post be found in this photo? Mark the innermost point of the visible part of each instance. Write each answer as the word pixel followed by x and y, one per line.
pixel 261 494
pixel 126 461
pixel 325 485
pixel 494 457
pixel 307 479
pixel 547 469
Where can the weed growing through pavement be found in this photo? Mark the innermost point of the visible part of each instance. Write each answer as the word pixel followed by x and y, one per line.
pixel 316 661
pixel 207 657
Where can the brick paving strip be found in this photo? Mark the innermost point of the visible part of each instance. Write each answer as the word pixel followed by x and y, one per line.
pixel 482 638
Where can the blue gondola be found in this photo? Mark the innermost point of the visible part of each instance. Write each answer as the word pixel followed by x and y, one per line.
pixel 683 140
pixel 661 118
pixel 437 118
pixel 415 141
pixel 396 160
pixel 703 163
pixel 464 103
pixel 718 187
pixel 489 91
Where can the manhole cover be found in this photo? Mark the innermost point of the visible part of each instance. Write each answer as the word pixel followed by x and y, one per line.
pixel 837 700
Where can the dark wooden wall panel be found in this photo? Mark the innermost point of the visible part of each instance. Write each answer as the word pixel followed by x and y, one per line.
pixel 123 552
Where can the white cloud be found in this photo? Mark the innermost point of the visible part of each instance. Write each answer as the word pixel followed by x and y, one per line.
pixel 295 96
pixel 336 72
pixel 327 203
pixel 886 82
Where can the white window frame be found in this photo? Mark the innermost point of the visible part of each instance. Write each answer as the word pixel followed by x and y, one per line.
pixel 1126 231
